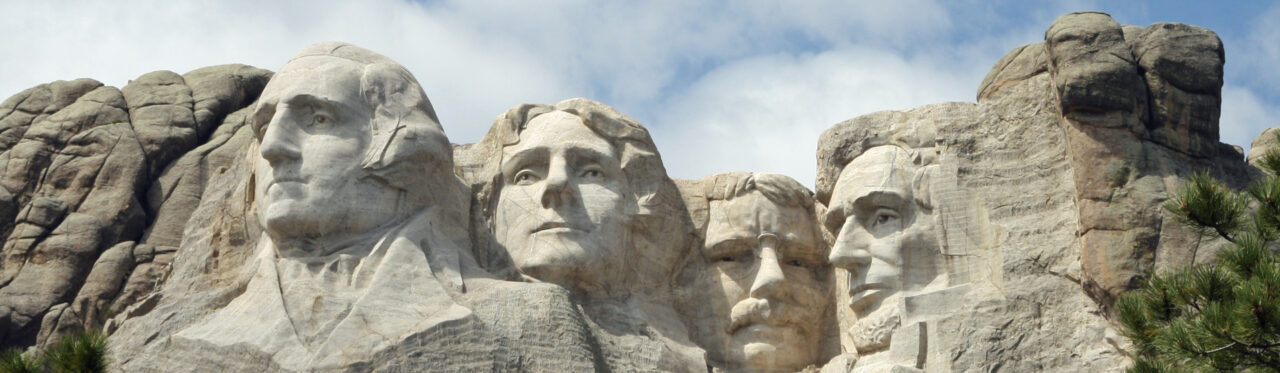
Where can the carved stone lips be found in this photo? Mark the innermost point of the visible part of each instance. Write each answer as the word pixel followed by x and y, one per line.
pixel 553 226
pixel 277 179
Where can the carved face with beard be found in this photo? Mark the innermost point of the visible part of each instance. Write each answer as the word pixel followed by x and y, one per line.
pixel 886 240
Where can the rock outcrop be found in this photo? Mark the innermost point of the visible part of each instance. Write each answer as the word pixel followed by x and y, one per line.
pixel 955 236
pixel 89 187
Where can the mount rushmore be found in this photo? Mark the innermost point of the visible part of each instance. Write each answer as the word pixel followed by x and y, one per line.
pixel 319 219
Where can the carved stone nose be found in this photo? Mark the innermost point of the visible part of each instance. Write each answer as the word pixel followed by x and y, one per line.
pixel 277 145
pixel 769 275
pixel 556 187
pixel 850 248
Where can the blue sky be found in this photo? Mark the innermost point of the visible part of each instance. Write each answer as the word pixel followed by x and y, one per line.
pixel 722 86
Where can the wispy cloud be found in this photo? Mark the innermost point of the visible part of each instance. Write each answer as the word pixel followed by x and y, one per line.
pixel 722 85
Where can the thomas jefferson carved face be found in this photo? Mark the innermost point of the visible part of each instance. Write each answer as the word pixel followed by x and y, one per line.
pixel 563 207
pixel 765 259
pixel 313 125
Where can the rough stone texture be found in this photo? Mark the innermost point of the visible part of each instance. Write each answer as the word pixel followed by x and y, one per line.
pixel 1267 140
pixel 145 211
pixel 1128 154
pixel 755 293
pixel 77 165
pixel 1072 123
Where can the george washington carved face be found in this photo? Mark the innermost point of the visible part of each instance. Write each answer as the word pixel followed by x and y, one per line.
pixel 343 133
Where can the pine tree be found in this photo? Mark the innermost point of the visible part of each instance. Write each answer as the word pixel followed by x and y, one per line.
pixel 80 352
pixel 1224 315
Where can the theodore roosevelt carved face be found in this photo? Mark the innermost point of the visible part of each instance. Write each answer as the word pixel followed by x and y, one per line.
pixel 765 275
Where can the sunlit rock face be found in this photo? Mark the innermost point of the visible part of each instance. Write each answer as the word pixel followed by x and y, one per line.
pixel 756 292
pixel 318 219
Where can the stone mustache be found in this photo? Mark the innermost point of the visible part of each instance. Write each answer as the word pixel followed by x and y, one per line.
pixel 325 222
pixel 366 249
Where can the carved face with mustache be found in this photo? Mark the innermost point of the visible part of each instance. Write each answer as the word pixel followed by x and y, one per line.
pixel 766 262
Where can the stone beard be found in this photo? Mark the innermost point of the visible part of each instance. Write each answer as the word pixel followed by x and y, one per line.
pixel 886 240
pixel 564 207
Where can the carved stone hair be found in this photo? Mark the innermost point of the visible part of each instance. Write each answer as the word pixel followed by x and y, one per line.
pixel 407 148
pixel 848 140
pixel 779 189
pixel 656 203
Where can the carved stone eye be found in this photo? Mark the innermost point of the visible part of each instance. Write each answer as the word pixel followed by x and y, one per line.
pixel 885 215
pixel 525 177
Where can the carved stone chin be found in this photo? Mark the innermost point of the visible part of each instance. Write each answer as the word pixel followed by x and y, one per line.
pixel 342 270
pixel 563 209
pixel 318 219
pixel 759 286
pixel 885 239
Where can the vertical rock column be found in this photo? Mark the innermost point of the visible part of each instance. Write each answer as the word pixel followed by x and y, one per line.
pixel 1103 105
pixel 1140 107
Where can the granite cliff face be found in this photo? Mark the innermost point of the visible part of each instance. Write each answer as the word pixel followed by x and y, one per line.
pixel 178 215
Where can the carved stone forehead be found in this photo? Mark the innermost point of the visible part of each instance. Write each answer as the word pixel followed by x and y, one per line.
pixel 752 214
pixel 559 129
pixel 885 167
pixel 328 78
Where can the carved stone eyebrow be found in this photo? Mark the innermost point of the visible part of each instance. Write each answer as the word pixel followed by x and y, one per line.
pixel 725 245
pixel 880 198
pixel 577 155
pixel 521 158
pixel 313 101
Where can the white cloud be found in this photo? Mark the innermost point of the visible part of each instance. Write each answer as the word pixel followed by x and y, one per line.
pixel 470 78
pixel 1244 116
pixel 1252 80
pixel 474 58
pixel 765 113
pixel 1255 55
pixel 722 86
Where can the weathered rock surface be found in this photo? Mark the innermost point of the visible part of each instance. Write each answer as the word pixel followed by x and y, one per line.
pixel 79 159
pixel 1072 147
pixel 1016 221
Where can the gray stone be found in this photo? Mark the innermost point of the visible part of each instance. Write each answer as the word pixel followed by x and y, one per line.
pixel 317 219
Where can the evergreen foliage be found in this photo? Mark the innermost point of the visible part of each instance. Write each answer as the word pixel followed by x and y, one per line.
pixel 1221 316
pixel 83 351
pixel 13 361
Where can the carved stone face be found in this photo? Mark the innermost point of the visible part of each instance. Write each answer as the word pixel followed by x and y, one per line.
pixel 765 259
pixel 314 130
pixel 563 207
pixel 884 240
